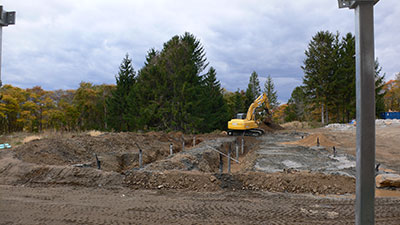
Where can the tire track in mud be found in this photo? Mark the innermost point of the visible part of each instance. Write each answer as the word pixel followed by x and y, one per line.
pixel 66 205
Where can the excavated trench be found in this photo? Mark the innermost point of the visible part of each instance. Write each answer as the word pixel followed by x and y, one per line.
pixel 196 168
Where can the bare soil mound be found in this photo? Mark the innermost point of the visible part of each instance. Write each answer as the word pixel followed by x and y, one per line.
pixel 312 140
pixel 117 151
pixel 14 171
pixel 269 126
pixel 288 181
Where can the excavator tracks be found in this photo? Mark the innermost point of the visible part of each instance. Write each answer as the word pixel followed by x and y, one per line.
pixel 252 132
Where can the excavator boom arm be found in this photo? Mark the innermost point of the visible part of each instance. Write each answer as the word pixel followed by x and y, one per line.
pixel 252 109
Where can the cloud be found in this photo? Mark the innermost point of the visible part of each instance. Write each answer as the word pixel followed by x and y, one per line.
pixel 58 44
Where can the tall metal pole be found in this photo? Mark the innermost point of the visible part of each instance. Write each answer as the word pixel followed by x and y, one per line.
pixel 365 92
pixel 1 43
pixel 6 18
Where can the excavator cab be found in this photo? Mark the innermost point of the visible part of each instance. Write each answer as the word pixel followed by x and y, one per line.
pixel 241 116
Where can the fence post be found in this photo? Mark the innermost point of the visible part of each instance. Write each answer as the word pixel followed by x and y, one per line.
pixel 140 158
pixel 229 159
pixel 97 161
pixel 237 149
pixel 221 164
pixel 242 145
pixel 183 143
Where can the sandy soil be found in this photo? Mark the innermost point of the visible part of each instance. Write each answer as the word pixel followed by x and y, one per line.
pixel 387 143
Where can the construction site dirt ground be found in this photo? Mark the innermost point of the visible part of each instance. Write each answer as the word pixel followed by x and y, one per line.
pixel 283 178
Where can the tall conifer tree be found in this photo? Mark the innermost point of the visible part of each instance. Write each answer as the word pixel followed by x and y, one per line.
pixel 170 85
pixel 253 89
pixel 319 68
pixel 269 90
pixel 215 109
pixel 118 106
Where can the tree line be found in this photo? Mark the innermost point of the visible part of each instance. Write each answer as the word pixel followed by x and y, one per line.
pixel 328 91
pixel 175 90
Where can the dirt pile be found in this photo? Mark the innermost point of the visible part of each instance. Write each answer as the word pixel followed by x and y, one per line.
pixel 269 126
pixel 312 140
pixel 117 151
pixel 388 180
pixel 14 171
pixel 288 181
pixel 204 157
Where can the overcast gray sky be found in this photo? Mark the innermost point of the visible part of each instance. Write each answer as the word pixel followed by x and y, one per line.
pixel 57 44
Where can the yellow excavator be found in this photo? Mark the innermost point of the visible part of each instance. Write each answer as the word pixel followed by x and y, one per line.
pixel 246 124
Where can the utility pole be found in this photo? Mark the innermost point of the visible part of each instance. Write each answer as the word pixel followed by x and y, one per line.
pixel 365 94
pixel 6 18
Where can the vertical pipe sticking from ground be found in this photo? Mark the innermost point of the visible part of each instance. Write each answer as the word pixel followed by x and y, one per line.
pixel 242 145
pixel 183 143
pixel 97 161
pixel 221 164
pixel 140 158
pixel 229 159
pixel 237 149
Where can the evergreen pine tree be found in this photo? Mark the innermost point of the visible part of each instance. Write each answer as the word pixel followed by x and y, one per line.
pixel 170 86
pixel 379 92
pixel 269 90
pixel 319 67
pixel 253 89
pixel 346 79
pixel 118 107
pixel 214 106
pixel 239 100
